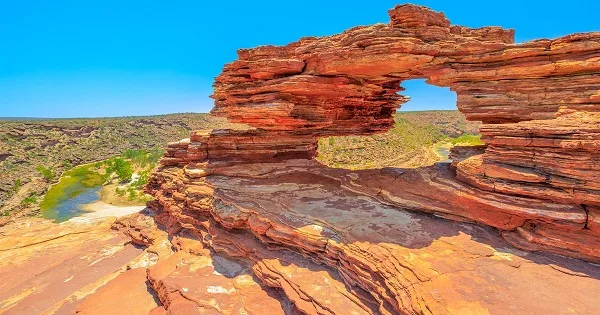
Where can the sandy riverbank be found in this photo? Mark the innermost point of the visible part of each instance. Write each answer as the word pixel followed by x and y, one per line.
pixel 100 209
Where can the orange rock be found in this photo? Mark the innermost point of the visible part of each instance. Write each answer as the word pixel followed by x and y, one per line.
pixel 50 268
pixel 204 283
pixel 256 194
pixel 126 294
pixel 282 220
pixel 538 100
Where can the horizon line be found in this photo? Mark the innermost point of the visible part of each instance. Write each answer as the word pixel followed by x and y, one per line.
pixel 19 118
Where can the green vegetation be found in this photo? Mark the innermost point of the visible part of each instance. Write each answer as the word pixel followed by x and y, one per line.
pixel 59 145
pixel 467 139
pixel 117 172
pixel 119 191
pixel 144 157
pixel 71 184
pixel 409 144
pixel 46 173
pixel 67 164
pixel 32 199
pixel 142 160
pixel 16 186
pixel 131 193
pixel 123 166
pixel 142 179
pixel 120 167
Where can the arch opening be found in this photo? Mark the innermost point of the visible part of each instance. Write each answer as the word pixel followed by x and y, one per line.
pixel 425 128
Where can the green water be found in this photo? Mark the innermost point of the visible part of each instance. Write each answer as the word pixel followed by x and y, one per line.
pixel 444 152
pixel 76 187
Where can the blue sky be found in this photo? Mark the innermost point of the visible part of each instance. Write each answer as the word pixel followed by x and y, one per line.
pixel 116 58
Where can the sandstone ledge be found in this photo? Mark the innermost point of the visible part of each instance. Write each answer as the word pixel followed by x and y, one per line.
pixel 538 101
pixel 372 241
pixel 376 257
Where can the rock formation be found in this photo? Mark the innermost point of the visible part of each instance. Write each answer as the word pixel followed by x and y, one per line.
pixel 49 268
pixel 340 241
pixel 82 266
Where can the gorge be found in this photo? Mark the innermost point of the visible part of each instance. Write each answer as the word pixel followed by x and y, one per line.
pixel 257 194
pixel 247 221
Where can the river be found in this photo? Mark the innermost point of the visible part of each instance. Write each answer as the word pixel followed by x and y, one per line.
pixel 76 188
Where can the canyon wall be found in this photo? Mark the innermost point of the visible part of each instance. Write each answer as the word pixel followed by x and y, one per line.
pixel 538 101
pixel 258 194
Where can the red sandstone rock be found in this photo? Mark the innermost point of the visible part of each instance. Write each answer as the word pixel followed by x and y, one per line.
pixel 126 294
pixel 391 260
pixel 496 81
pixel 227 145
pixel 561 157
pixel 538 100
pixel 200 284
pixel 411 16
pixel 254 194
pixel 461 153
pixel 50 268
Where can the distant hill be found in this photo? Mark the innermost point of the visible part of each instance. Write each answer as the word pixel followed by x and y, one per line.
pixel 411 143
pixel 20 118
pixel 60 144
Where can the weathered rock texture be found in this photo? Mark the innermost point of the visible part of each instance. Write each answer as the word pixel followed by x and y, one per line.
pixel 49 268
pixel 339 241
pixel 83 266
pixel 335 241
pixel 539 101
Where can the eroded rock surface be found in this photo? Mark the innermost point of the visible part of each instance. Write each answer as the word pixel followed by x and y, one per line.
pixel 289 238
pixel 335 241
pixel 538 102
pixel 246 222
pixel 49 268
pixel 89 266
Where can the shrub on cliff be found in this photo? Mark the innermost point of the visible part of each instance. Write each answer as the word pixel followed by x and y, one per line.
pixel 143 157
pixel 120 167
pixel 46 173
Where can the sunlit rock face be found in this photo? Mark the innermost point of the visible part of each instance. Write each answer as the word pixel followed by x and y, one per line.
pixel 334 241
pixel 306 229
pixel 539 98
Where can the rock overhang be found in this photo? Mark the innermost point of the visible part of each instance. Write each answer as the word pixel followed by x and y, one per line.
pixel 535 180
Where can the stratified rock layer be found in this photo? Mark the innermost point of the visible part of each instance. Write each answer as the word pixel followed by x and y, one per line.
pixel 556 159
pixel 339 241
pixel 538 101
pixel 335 241
pixel 50 268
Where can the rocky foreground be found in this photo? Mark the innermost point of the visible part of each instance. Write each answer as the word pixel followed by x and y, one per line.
pixel 384 240
pixel 247 222
pixel 286 243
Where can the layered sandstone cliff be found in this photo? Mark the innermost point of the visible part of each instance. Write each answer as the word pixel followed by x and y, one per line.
pixel 257 194
pixel 348 84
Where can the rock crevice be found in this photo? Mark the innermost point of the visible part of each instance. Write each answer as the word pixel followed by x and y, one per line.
pixel 257 194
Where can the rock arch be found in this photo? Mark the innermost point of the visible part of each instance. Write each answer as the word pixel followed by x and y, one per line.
pixel 539 102
pixel 528 96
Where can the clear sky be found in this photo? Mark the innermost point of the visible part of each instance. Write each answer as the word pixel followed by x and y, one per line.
pixel 114 58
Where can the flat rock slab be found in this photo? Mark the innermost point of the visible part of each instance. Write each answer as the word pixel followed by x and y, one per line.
pixel 127 294
pixel 210 284
pixel 417 262
pixel 49 268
